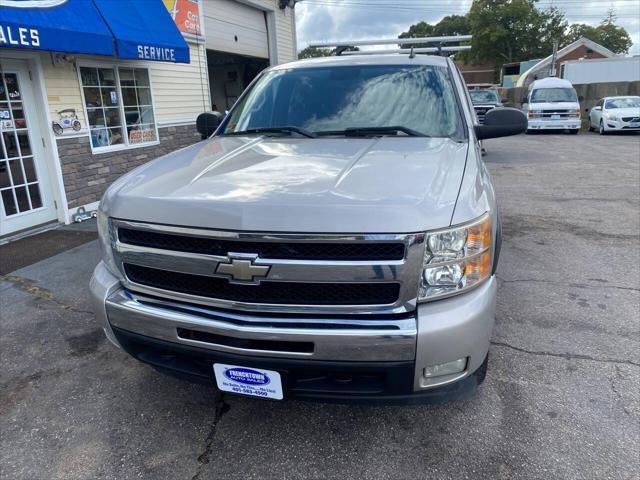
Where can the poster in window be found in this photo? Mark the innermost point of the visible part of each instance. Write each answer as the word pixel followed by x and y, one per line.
pixel 142 135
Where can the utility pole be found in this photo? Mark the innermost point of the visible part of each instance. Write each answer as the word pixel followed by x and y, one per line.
pixel 553 72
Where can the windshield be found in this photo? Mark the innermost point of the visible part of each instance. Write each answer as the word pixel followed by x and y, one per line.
pixel 418 99
pixel 542 95
pixel 483 96
pixel 628 102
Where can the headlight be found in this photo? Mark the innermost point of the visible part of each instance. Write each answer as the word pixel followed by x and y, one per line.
pixel 575 113
pixel 456 259
pixel 106 243
pixel 613 116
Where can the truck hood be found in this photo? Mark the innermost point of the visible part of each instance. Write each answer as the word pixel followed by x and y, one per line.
pixel 338 185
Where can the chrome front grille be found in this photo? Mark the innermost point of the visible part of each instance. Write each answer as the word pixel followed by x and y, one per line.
pixel 285 293
pixel 279 250
pixel 315 273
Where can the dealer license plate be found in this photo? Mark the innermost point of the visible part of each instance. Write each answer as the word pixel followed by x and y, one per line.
pixel 634 125
pixel 255 382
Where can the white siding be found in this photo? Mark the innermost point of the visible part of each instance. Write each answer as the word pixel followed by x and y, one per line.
pixel 286 35
pixel 249 15
pixel 286 47
pixel 62 86
pixel 236 28
pixel 180 91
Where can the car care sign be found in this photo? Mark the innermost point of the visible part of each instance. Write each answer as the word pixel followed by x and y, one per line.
pixel 255 382
pixel 186 15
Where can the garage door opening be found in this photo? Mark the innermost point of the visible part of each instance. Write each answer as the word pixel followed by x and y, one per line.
pixel 229 75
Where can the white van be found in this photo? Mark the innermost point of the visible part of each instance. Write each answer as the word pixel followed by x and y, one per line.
pixel 552 104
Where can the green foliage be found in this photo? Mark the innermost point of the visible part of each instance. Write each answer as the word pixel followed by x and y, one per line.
pixel 508 31
pixel 314 52
pixel 513 30
pixel 452 25
pixel 421 29
pixel 607 34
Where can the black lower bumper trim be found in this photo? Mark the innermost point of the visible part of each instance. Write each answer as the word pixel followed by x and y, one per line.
pixel 314 380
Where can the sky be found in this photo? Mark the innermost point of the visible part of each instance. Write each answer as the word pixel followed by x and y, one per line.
pixel 337 20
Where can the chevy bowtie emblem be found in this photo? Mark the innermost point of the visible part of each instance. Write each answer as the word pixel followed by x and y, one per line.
pixel 240 268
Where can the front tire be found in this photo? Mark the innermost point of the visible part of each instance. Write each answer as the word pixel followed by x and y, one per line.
pixel 601 129
pixel 575 131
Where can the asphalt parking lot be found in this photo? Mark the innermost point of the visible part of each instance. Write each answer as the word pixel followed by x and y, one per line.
pixel 561 400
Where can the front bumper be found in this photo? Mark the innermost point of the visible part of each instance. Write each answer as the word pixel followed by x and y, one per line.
pixel 329 359
pixel 621 125
pixel 561 124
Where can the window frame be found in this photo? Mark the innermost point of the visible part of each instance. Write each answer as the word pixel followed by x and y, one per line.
pixel 125 145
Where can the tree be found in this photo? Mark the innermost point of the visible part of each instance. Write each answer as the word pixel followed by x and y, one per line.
pixel 313 52
pixel 513 30
pixel 607 34
pixel 418 30
pixel 452 25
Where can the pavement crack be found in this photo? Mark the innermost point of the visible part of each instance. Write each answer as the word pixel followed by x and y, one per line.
pixel 564 284
pixel 221 407
pixel 618 375
pixel 30 287
pixel 566 356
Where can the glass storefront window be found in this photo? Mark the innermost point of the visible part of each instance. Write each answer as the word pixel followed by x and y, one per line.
pixel 138 108
pixel 119 106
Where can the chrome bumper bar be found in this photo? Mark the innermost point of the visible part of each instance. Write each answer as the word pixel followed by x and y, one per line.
pixel 331 339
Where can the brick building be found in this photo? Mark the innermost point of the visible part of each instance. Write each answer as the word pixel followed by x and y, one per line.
pixel 582 48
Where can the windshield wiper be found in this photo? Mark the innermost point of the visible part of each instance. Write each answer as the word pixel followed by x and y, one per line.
pixel 285 129
pixel 372 131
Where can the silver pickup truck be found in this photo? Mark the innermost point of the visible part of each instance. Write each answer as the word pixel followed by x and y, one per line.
pixel 335 238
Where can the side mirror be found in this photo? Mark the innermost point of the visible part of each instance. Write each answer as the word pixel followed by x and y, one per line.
pixel 581 98
pixel 502 122
pixel 525 100
pixel 505 100
pixel 597 108
pixel 207 123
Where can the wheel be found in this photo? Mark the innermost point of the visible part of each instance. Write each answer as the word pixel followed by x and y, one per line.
pixel 574 131
pixel 77 125
pixel 57 129
pixel 481 372
pixel 498 245
pixel 602 130
pixel 590 127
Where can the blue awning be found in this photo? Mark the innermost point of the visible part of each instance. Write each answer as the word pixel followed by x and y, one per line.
pixel 131 29
pixel 144 30
pixel 73 26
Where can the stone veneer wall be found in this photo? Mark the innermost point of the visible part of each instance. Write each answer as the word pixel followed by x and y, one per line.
pixel 86 175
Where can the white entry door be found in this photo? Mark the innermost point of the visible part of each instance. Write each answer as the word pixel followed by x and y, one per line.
pixel 25 192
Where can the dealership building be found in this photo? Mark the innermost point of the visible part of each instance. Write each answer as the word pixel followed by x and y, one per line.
pixel 90 89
